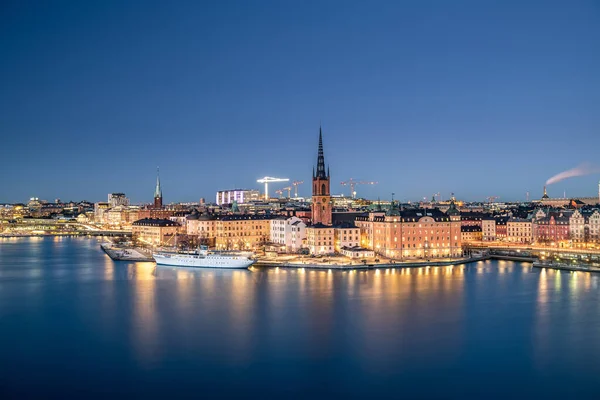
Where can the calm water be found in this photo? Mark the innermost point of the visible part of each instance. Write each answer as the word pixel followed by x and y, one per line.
pixel 74 322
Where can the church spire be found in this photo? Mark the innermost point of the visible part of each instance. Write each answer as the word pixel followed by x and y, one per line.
pixel 320 158
pixel 157 191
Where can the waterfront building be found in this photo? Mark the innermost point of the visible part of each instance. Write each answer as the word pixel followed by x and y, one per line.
pixel 288 232
pixel 552 228
pixel 346 235
pixel 470 233
pixel 357 252
pixel 320 239
pixel 519 230
pixel 242 232
pixel 578 227
pixel 241 196
pixel 501 225
pixel 117 199
pixel 203 226
pixel 412 233
pixel 156 232
pixel 488 229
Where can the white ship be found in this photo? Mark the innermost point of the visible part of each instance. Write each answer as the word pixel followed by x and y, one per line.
pixel 203 259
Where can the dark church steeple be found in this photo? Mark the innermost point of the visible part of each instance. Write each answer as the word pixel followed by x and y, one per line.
pixel 320 158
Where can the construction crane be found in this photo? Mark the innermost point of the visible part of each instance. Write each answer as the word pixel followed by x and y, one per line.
pixel 268 179
pixel 289 189
pixel 352 183
pixel 296 184
pixel 279 192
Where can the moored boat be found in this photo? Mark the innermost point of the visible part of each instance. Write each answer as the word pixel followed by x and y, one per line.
pixel 202 258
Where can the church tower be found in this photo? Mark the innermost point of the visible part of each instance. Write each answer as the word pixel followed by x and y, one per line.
pixel 321 196
pixel 157 192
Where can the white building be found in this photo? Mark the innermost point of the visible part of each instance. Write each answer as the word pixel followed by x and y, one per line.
pixel 117 199
pixel 519 230
pixel 488 229
pixel 288 232
pixel 577 227
pixel 241 196
pixel 594 227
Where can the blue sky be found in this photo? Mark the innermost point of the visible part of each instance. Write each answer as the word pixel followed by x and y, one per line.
pixel 477 98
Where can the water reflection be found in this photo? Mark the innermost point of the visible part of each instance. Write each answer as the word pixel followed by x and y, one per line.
pixel 289 323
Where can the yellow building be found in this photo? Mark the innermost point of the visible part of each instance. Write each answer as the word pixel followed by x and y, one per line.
pixel 346 235
pixel 203 226
pixel 471 233
pixel 242 232
pixel 320 239
pixel 519 230
pixel 157 232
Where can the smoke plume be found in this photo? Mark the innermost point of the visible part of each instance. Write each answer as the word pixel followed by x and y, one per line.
pixel 581 170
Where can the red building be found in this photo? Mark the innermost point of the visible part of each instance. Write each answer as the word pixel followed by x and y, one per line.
pixel 552 228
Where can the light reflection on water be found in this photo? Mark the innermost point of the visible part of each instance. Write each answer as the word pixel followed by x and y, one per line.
pixel 387 329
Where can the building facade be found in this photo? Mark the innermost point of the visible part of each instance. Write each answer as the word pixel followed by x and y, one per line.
pixel 519 230
pixel 241 196
pixel 320 239
pixel 552 228
pixel 413 233
pixel 157 232
pixel 117 199
pixel 471 233
pixel 288 232
pixel 488 229
pixel 242 232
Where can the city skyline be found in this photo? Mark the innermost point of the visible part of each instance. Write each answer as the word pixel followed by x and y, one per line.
pixel 476 99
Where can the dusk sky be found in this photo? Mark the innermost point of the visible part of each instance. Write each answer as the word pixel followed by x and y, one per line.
pixel 479 98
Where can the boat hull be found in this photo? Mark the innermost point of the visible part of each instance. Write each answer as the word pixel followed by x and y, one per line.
pixel 203 262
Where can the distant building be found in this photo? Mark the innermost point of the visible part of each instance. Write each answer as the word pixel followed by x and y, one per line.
pixel 241 196
pixel 565 201
pixel 100 209
pixel 117 199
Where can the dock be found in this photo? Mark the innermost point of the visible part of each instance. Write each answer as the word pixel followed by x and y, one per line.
pixel 120 253
pixel 368 266
pixel 566 267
